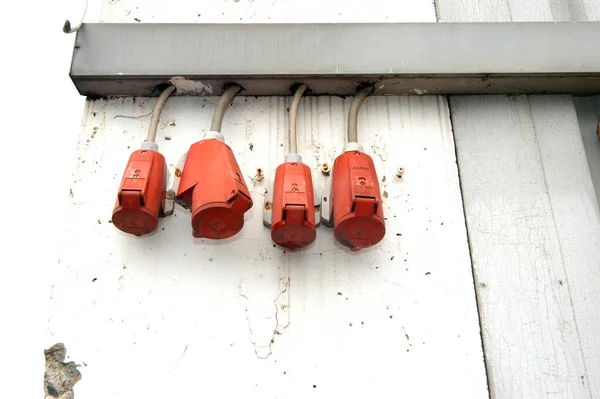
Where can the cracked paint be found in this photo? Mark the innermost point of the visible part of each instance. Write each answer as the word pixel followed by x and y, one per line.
pixel 263 344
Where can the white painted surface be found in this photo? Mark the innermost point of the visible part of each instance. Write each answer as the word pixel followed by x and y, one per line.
pixel 533 222
pixel 169 315
pixel 131 327
pixel 41 114
pixel 267 11
pixel 533 226
pixel 196 318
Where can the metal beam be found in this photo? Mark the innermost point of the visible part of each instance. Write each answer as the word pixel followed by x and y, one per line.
pixel 399 58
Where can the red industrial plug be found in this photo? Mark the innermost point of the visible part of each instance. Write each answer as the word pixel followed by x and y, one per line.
pixel 293 210
pixel 213 188
pixel 356 201
pixel 290 209
pixel 141 198
pixel 355 206
pixel 141 194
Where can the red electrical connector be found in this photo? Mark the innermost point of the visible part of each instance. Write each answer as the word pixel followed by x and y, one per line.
pixel 293 214
pixel 213 188
pixel 211 184
pixel 141 194
pixel 355 205
pixel 356 201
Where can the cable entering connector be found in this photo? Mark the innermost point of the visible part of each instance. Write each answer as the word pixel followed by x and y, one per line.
pixel 293 145
pixel 224 103
pixel 162 99
pixel 359 99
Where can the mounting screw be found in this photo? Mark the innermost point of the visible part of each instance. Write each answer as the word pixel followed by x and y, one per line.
pixel 77 45
pixel 400 172
pixel 325 169
pixel 268 205
pixel 259 174
pixel 294 190
pixel 362 180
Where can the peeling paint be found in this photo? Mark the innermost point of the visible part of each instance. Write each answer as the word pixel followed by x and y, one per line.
pixel 60 377
pixel 190 87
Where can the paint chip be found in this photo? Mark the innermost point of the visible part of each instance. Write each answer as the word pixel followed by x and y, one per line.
pixel 60 377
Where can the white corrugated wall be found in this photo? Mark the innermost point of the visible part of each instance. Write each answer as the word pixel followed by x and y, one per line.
pixel 173 316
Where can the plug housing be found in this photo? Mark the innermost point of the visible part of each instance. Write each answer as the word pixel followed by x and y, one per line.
pixel 356 205
pixel 141 194
pixel 213 188
pixel 293 214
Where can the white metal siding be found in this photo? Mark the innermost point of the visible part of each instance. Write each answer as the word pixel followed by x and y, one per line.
pixel 183 317
pixel 173 316
pixel 533 223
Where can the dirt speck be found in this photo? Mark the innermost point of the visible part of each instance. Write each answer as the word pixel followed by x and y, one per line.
pixel 137 20
pixel 385 194
pixel 251 146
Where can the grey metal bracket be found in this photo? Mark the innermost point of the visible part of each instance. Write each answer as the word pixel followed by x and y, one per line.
pixel 398 58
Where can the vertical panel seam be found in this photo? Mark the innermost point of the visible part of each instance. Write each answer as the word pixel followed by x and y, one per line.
pixel 488 376
pixel 560 249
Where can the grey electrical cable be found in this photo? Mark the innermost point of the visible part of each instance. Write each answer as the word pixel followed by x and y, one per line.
pixel 224 103
pixel 162 99
pixel 294 116
pixel 359 99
